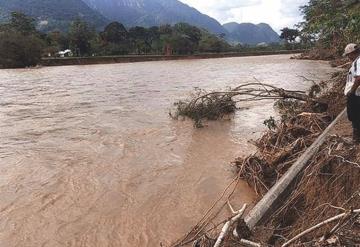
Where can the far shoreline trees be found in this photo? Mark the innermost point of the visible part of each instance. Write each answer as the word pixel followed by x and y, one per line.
pixel 21 45
pixel 331 25
pixel 328 25
pixel 115 39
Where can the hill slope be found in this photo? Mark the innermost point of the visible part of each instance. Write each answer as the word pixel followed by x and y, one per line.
pixel 56 14
pixel 52 14
pixel 153 13
pixel 248 33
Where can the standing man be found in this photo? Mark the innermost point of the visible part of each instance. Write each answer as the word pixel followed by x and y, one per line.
pixel 352 89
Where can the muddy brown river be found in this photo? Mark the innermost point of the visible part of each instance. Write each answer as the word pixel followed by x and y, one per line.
pixel 90 157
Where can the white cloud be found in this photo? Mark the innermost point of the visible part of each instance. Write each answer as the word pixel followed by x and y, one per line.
pixel 277 13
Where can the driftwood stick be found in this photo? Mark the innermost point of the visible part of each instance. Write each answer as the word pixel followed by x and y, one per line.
pixel 316 227
pixel 249 243
pixel 342 66
pixel 228 224
pixel 342 221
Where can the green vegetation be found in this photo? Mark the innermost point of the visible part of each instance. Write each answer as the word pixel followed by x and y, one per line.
pixel 23 45
pixel 328 25
pixel 52 14
pixel 181 38
pixel 80 36
pixel 289 35
pixel 331 24
pixel 20 43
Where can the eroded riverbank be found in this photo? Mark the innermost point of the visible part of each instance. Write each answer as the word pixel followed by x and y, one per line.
pixel 89 156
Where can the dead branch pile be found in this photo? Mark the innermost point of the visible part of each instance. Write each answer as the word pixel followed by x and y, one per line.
pixel 301 123
pixel 203 105
pixel 279 149
pixel 328 187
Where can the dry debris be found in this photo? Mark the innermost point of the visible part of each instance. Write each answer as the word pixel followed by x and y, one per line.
pixel 323 208
pixel 202 105
pixel 328 187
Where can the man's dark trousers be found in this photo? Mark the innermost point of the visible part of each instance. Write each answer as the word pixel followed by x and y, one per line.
pixel 353 110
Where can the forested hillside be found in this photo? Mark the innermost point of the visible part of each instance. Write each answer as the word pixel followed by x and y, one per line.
pixel 149 13
pixel 331 24
pixel 53 14
pixel 248 33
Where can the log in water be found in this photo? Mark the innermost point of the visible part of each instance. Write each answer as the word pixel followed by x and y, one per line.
pixel 89 156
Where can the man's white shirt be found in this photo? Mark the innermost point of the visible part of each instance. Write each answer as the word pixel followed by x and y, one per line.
pixel 353 73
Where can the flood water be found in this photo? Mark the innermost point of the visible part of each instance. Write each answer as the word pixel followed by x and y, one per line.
pixel 90 157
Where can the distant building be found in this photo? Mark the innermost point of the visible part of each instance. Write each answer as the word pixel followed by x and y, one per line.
pixel 263 44
pixel 65 53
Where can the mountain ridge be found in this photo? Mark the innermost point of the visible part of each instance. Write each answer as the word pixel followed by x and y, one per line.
pixel 53 14
pixel 154 13
pixel 249 33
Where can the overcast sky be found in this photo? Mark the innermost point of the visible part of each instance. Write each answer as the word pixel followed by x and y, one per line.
pixel 277 13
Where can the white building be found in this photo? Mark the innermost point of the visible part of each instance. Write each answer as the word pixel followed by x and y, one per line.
pixel 66 53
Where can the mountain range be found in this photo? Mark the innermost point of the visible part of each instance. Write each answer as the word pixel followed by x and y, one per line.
pixel 153 13
pixel 248 33
pixel 52 14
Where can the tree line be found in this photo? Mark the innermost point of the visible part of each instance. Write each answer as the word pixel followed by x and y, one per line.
pixel 327 23
pixel 328 26
pixel 22 45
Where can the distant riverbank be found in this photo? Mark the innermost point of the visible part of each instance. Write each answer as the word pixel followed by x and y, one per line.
pixel 145 58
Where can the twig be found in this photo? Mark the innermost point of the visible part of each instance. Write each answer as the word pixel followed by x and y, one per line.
pixel 346 161
pixel 332 206
pixel 343 65
pixel 316 227
pixel 336 227
pixel 307 79
pixel 249 243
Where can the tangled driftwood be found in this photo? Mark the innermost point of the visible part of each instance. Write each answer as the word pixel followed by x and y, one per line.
pixel 328 187
pixel 203 105
pixel 323 223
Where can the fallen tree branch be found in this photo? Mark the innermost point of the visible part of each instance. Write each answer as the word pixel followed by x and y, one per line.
pixel 343 221
pixel 204 105
pixel 357 211
pixel 228 224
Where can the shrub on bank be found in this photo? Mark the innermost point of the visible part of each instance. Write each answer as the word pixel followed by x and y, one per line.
pixel 18 50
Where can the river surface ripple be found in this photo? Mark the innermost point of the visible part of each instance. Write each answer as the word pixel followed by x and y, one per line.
pixel 89 156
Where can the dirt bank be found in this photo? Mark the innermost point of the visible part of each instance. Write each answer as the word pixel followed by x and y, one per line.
pixel 328 187
pixel 146 58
